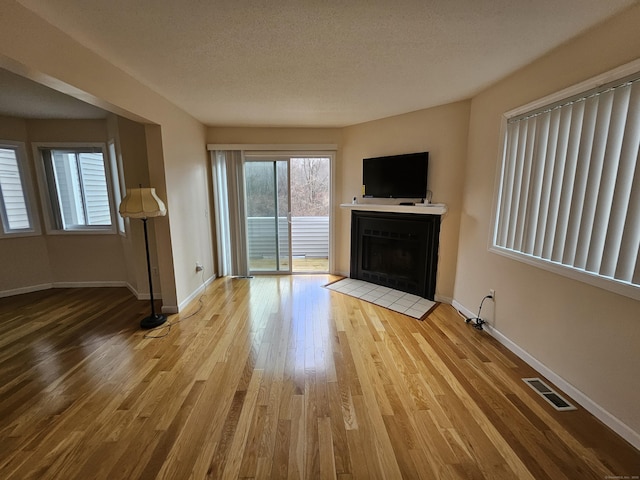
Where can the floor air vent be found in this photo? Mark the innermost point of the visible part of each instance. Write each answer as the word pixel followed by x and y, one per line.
pixel 549 394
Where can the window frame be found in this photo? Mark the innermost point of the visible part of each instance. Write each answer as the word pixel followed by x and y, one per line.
pixel 51 219
pixel 24 172
pixel 594 279
pixel 118 184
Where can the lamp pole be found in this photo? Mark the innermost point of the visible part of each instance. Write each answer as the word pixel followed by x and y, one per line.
pixel 153 320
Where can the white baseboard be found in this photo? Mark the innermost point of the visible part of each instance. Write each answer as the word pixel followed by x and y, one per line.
pixel 587 403
pixel 88 284
pixel 194 294
pixel 168 309
pixel 146 296
pixel 142 296
pixel 442 299
pixel 133 290
pixel 47 286
pixel 29 289
pixel 462 309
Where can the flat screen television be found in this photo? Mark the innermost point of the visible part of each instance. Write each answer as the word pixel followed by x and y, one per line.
pixel 395 176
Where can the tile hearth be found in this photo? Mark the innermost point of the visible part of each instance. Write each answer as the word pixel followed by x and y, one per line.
pixel 401 302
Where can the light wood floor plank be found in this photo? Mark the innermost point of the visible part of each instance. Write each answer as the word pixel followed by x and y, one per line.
pixel 275 378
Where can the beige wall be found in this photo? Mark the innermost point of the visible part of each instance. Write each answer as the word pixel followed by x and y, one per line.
pixel 188 187
pixel 175 141
pixel 442 131
pixel 24 260
pixel 86 259
pixel 67 131
pixel 586 335
pixel 25 265
pixel 131 150
pixel 274 135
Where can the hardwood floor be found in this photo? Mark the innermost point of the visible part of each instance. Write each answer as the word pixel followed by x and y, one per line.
pixel 275 377
pixel 299 264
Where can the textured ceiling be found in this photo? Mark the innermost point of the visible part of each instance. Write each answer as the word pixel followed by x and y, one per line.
pixel 319 63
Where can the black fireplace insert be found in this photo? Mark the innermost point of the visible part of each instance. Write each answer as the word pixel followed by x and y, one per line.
pixel 396 250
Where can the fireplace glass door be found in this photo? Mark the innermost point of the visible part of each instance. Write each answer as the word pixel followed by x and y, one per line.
pixel 396 250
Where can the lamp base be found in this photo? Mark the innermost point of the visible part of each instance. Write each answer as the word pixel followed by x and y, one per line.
pixel 153 321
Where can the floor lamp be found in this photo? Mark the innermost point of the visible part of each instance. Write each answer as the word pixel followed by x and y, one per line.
pixel 143 203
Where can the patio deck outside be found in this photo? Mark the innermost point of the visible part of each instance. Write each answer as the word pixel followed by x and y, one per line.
pixel 309 244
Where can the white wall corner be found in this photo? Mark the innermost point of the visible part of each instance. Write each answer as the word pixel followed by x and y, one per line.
pixel 587 403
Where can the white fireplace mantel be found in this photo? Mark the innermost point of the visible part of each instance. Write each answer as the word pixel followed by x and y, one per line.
pixel 424 209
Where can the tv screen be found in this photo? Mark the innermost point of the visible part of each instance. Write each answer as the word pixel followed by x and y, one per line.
pixel 396 176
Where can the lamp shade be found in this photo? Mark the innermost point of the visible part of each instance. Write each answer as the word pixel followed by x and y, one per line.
pixel 142 203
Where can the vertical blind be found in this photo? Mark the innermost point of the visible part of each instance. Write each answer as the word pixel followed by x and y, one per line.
pixel 570 184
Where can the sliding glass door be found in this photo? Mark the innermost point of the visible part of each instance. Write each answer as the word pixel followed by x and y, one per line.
pixel 287 200
pixel 268 219
pixel 310 193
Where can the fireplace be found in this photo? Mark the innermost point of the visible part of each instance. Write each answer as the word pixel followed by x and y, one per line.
pixel 396 250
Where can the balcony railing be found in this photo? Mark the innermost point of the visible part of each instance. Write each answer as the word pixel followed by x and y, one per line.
pixel 309 237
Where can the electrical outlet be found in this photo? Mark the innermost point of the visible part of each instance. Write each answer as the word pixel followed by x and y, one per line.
pixel 492 292
pixel 199 267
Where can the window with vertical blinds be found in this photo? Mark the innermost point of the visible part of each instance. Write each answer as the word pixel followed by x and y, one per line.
pixel 569 194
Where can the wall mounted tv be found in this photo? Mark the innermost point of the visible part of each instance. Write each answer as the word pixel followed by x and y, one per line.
pixel 395 176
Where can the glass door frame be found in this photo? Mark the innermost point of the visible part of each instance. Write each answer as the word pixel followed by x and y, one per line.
pixel 274 155
pixel 256 157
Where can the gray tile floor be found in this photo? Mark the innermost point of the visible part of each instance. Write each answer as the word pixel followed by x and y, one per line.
pixel 406 303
